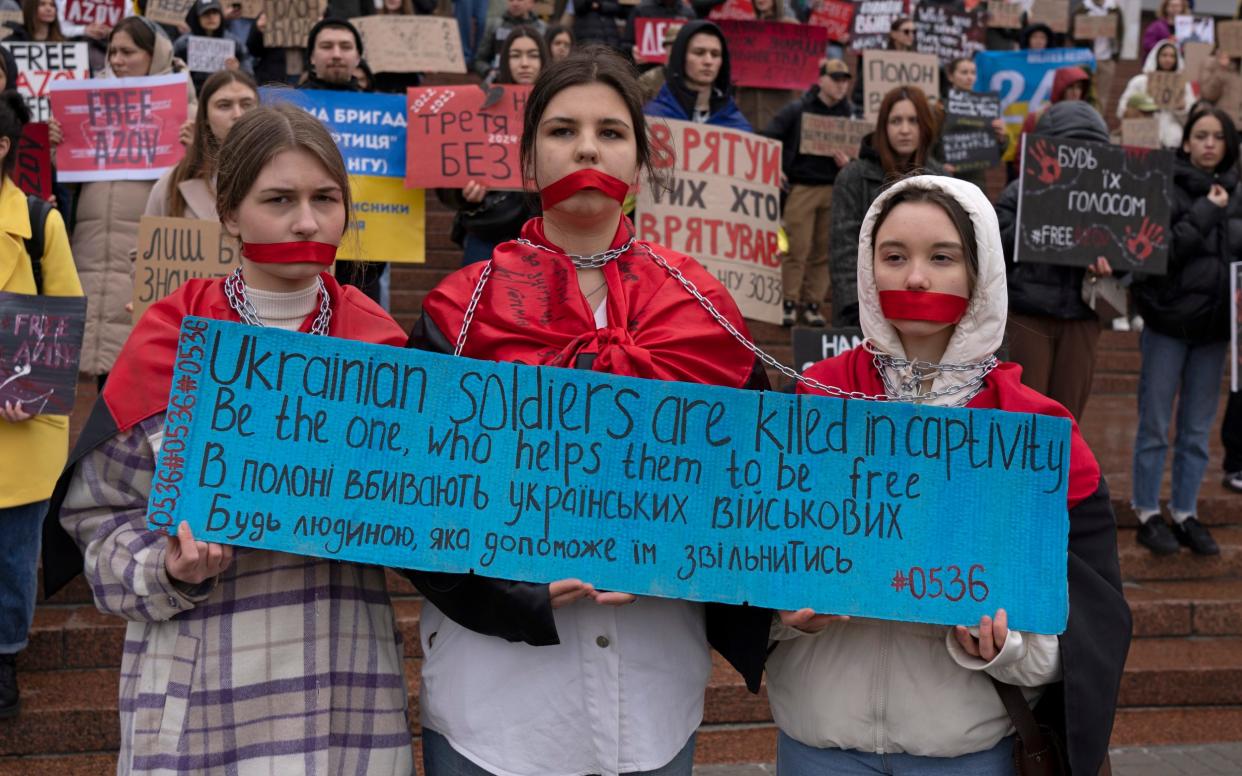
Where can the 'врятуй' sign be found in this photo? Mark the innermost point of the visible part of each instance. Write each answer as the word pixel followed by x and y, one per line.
pixel 390 456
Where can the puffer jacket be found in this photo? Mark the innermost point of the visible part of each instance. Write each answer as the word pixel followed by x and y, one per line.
pixel 675 101
pixel 1191 302
pixel 1169 121
pixel 1048 290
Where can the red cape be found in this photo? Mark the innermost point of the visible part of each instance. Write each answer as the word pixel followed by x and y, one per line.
pixel 139 383
pixel 1002 390
pixel 533 312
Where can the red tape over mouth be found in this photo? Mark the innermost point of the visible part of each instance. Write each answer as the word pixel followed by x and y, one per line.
pixel 555 193
pixel 290 252
pixel 923 306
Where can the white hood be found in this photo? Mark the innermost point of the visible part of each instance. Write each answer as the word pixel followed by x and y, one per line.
pixel 982 329
pixel 1149 65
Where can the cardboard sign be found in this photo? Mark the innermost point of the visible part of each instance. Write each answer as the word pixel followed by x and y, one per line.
pixel 106 12
pixel 39 64
pixel 1054 13
pixel 1235 321
pixel 886 70
pixel 649 37
pixel 774 55
pixel 251 9
pixel 1195 29
pixel 32 169
pixel 968 140
pixel 40 347
pixel 411 44
pixel 872 21
pixel 1195 55
pixel 370 130
pixel 1024 81
pixel 826 135
pixel 1079 200
pixel 723 208
pixel 1140 133
pixel 170 12
pixel 1089 26
pixel 174 250
pixel 1167 89
pixel 949 33
pixel 398 457
pixel 207 55
pixel 738 10
pixel 289 22
pixel 1004 16
pixel 461 133
pixel 835 16
pixel 119 128
pixel 810 346
pixel 1229 37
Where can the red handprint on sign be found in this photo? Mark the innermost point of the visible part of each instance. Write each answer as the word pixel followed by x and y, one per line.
pixel 1048 169
pixel 1149 236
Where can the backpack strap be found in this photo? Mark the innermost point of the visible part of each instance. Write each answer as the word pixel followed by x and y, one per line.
pixel 39 210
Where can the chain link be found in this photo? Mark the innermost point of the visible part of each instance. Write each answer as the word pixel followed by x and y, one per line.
pixel 474 303
pixel 594 261
pixel 235 292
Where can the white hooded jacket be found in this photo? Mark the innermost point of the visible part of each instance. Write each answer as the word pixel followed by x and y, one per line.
pixel 1170 121
pixel 880 686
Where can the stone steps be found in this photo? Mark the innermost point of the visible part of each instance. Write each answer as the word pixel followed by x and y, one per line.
pixel 1139 564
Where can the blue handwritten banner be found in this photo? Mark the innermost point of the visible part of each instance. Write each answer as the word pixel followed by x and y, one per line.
pixel 395 457
pixel 368 128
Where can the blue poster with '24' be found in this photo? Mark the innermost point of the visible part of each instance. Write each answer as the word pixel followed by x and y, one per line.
pixel 1024 81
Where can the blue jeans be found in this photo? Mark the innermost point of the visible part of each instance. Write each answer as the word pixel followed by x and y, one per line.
pixel 465 11
pixel 797 759
pixel 441 759
pixel 22 528
pixel 1192 373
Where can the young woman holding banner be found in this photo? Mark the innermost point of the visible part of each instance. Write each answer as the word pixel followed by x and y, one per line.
pixel 563 679
pixel 862 696
pixel 246 661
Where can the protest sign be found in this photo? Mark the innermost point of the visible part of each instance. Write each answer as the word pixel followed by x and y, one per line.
pixel 174 250
pixel 463 133
pixel 289 22
pixel 1195 29
pixel 872 21
pixel 649 38
pixel 1024 81
pixel 1167 89
pixel 1004 16
pixel 1054 13
pixel 826 135
pixel 40 346
pixel 835 16
pixel 1140 133
pixel 1079 200
pixel 207 55
pixel 884 70
pixel 1235 320
pixel 1089 26
pixel 968 140
pixel 1195 56
pixel 9 20
pixel 742 10
pixel 32 169
pixel 398 457
pixel 411 44
pixel 949 32
pixel 251 9
pixel 39 64
pixel 170 12
pixel 774 55
pixel 370 130
pixel 723 208
pixel 810 346
pixel 119 128
pixel 1229 37
pixel 105 12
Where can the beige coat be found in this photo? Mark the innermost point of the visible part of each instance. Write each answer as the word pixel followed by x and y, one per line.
pixel 200 200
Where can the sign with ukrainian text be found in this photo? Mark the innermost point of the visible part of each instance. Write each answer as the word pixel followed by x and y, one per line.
pixel 463 133
pixel 390 456
pixel 40 64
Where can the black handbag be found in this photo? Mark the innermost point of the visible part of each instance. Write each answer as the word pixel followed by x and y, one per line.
pixel 497 218
pixel 1038 750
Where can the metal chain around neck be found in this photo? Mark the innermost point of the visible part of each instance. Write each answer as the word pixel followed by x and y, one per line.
pixel 235 292
pixel 594 261
pixel 911 374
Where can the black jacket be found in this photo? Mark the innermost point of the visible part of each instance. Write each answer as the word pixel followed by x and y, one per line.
pixel 1191 302
pixel 595 21
pixel 787 128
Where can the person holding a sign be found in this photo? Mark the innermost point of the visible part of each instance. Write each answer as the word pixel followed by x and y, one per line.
pixel 1221 82
pixel 697 82
pixel 1164 58
pixel 652 9
pixel 563 679
pixel 1186 333
pixel 901 143
pixel 211 22
pixel 33 446
pixel 1161 28
pixel 868 696
pixel 253 635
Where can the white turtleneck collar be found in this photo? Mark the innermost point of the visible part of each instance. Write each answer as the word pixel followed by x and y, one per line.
pixel 284 309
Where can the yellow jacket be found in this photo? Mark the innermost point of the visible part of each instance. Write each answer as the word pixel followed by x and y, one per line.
pixel 32 453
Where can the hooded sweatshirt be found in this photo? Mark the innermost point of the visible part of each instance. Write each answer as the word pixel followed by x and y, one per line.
pixel 675 100
pixel 1170 121
pixel 1061 80
pixel 881 686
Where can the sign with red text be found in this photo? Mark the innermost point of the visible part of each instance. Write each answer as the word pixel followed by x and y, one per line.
pixel 32 170
pixel 106 12
pixel 723 208
pixel 39 64
pixel 649 38
pixel 836 16
pixel 733 9
pixel 40 347
pixel 463 133
pixel 119 129
pixel 774 55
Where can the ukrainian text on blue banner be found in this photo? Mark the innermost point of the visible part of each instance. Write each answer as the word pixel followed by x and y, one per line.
pixel 388 456
pixel 368 128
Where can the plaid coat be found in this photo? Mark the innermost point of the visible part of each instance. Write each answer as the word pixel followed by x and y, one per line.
pixel 282 664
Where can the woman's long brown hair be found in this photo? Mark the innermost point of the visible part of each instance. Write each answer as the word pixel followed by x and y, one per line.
pixel 927 131
pixel 200 158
